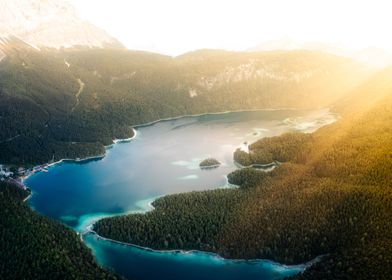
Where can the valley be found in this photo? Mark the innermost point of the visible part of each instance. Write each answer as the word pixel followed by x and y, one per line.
pixel 219 161
pixel 71 133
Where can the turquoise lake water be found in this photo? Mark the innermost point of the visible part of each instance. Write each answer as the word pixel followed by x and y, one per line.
pixel 163 159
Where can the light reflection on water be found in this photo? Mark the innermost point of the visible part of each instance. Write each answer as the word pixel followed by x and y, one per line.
pixel 163 159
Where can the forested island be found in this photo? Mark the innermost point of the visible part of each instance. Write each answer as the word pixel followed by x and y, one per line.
pixel 209 163
pixel 330 197
pixel 69 90
pixel 36 247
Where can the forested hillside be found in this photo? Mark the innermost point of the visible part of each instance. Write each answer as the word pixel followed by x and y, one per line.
pixel 70 103
pixel 35 247
pixel 332 196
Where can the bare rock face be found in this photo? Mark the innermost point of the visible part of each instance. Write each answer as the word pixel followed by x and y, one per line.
pixel 50 23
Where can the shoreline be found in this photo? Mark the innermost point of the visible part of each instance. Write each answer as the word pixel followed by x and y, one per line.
pixel 78 160
pixel 221 113
pixel 210 166
pixel 302 266
pixel 28 197
pixel 124 140
pixel 89 228
pixel 259 166
pixel 143 210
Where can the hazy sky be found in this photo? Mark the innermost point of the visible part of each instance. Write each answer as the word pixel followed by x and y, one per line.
pixel 177 26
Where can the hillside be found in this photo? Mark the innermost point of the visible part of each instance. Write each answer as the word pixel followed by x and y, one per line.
pixel 331 197
pixel 35 247
pixel 372 56
pixel 70 103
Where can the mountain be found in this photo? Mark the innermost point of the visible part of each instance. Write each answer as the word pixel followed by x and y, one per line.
pixel 50 23
pixel 70 103
pixel 375 57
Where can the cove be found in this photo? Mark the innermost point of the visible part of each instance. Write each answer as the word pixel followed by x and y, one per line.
pixel 163 159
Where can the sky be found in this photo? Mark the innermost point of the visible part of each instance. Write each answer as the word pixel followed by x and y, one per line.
pixel 177 26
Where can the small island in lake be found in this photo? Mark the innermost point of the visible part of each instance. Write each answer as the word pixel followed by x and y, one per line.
pixel 209 163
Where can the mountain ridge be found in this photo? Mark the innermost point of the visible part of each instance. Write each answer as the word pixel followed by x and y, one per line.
pixel 50 24
pixel 38 90
pixel 374 57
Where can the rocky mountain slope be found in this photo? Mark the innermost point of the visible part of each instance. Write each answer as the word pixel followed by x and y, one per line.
pixel 50 23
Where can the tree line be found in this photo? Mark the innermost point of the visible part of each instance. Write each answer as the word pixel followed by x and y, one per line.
pixel 330 197
pixel 36 247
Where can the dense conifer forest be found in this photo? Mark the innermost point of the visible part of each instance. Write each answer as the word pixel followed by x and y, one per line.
pixel 69 90
pixel 35 247
pixel 330 197
pixel 70 103
pixel 209 163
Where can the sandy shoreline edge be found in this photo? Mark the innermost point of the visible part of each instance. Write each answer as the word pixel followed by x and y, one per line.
pixel 221 113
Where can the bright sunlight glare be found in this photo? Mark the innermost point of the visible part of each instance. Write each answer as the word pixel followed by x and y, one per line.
pixel 177 26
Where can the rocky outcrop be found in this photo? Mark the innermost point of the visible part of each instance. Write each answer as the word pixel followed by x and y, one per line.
pixel 50 23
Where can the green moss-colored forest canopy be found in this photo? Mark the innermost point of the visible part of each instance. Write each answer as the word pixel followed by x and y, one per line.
pixel 51 111
pixel 35 247
pixel 331 196
pixel 209 162
pixel 281 148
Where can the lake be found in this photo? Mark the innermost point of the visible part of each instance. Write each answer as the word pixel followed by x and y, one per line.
pixel 163 159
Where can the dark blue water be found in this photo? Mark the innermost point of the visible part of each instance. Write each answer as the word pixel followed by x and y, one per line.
pixel 179 265
pixel 163 159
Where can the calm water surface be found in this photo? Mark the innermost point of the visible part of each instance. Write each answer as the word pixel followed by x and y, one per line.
pixel 163 159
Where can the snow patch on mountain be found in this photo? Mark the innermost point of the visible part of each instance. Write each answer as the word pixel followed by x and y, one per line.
pixel 50 23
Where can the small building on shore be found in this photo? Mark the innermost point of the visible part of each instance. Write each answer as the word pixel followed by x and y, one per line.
pixel 5 172
pixel 21 171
